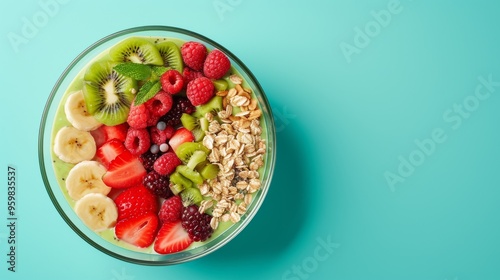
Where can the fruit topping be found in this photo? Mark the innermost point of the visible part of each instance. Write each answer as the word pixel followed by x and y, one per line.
pixel 124 171
pixel 171 210
pixel 171 55
pixel 180 136
pixel 194 54
pixel 84 178
pixel 109 151
pixel 171 238
pixel 216 65
pixel 77 113
pixel 135 201
pixel 72 145
pixel 179 183
pixel 181 105
pixel 157 184
pixel 200 91
pixel 138 116
pixel 166 163
pixel 97 211
pixel 148 159
pixel 191 196
pixel 108 94
pixel 190 74
pixel 105 133
pixel 138 230
pixel 196 224
pixel 159 104
pixel 136 50
pixel 137 141
pixel 158 136
pixel 172 81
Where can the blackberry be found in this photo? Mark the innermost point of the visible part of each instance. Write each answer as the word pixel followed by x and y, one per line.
pixel 157 184
pixel 181 105
pixel 196 224
pixel 148 159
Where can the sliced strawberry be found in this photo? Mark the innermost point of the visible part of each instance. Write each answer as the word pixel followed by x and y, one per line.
pixel 124 171
pixel 180 136
pixel 171 238
pixel 135 201
pixel 139 231
pixel 105 133
pixel 109 151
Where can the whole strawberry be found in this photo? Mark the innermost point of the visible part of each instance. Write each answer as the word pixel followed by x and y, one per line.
pixel 216 65
pixel 194 54
pixel 200 91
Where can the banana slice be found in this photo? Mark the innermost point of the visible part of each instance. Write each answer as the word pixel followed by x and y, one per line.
pixel 86 177
pixel 72 145
pixel 97 211
pixel 77 114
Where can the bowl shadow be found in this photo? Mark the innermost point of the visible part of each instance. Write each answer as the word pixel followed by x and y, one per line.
pixel 284 210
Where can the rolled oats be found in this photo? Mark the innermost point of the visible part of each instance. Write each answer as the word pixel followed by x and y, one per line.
pixel 235 79
pixel 214 223
pixel 236 148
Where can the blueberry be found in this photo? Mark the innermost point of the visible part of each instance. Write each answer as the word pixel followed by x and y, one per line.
pixel 161 125
pixel 164 147
pixel 154 149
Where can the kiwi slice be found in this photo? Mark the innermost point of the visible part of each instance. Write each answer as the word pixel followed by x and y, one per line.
pixel 197 126
pixel 179 182
pixel 176 189
pixel 209 171
pixel 189 121
pixel 197 158
pixel 189 173
pixel 214 105
pixel 199 131
pixel 198 134
pixel 186 150
pixel 108 94
pixel 137 50
pixel 191 196
pixel 171 55
pixel 220 85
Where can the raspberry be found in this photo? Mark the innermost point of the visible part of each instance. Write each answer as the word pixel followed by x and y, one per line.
pixel 200 90
pixel 171 210
pixel 153 120
pixel 138 116
pixel 148 159
pixel 169 131
pixel 159 104
pixel 157 184
pixel 173 117
pixel 172 81
pixel 166 163
pixel 190 74
pixel 216 65
pixel 137 141
pixel 158 136
pixel 196 224
pixel 194 54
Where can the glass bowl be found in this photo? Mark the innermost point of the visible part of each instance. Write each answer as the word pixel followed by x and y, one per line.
pixel 52 120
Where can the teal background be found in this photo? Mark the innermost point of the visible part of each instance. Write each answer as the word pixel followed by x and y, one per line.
pixel 341 127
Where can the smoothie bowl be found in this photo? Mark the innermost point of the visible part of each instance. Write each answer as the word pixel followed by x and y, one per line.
pixel 157 145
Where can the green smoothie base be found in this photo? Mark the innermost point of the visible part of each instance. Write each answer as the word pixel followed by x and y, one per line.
pixel 61 168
